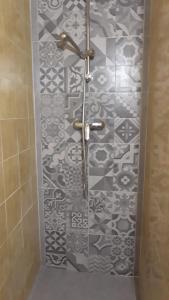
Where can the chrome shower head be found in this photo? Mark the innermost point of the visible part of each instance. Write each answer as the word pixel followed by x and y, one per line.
pixel 66 42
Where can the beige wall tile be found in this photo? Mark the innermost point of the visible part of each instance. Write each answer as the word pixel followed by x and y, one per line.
pixel 23 134
pixel 11 175
pixel 13 210
pixel 26 197
pixel 9 138
pixel 1 184
pixel 4 263
pixel 3 229
pixel 19 254
pixel 25 165
pixel 154 258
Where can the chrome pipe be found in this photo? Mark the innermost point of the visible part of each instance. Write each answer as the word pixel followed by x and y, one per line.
pixel 84 142
pixel 88 74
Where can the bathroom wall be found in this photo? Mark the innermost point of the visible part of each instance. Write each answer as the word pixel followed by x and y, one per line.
pixel 19 249
pixel 98 234
pixel 154 258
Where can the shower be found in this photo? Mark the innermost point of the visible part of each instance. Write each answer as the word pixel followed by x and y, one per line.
pixel 84 150
pixel 66 42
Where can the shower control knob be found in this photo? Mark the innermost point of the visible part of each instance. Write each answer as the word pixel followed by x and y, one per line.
pixel 87 131
pixel 99 125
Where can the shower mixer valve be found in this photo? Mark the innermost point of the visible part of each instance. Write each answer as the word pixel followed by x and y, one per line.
pixel 98 125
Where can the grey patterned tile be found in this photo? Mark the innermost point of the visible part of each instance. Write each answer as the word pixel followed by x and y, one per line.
pixel 125 178
pixel 55 210
pixel 49 6
pixel 103 18
pixel 126 131
pixel 55 248
pixel 100 223
pixel 105 135
pixel 128 78
pixel 56 260
pixel 75 79
pixel 50 17
pixel 129 17
pixel 103 79
pixel 100 158
pixel 58 174
pixel 74 24
pixel 125 170
pixel 100 210
pixel 77 262
pixel 129 50
pixel 122 257
pixel 104 51
pixel 73 154
pixel 52 80
pixel 77 220
pixel 73 106
pixel 74 5
pixel 49 54
pixel 73 111
pixel 52 106
pixel 97 182
pixel 100 245
pixel 124 203
pixel 76 201
pixel 123 225
pixel 72 135
pixel 101 105
pixel 54 194
pixel 127 105
pixel 100 202
pixel 52 130
pixel 71 59
pixel 77 242
pixel 77 212
pixel 98 263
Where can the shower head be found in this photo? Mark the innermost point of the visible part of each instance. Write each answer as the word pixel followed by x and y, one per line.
pixel 66 42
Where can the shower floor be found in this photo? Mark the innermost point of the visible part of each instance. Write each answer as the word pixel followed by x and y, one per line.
pixel 52 284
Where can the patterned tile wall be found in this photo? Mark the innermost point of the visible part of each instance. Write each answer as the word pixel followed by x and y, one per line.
pixel 97 235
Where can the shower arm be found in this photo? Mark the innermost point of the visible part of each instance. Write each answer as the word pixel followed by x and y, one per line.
pixel 66 42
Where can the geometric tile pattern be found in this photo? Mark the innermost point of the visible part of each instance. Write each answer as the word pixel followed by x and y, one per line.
pixel 126 131
pixel 97 234
pixel 122 255
pixel 52 80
